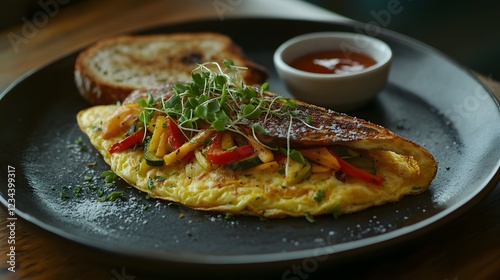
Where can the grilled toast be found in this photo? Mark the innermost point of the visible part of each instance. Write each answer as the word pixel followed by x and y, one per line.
pixel 112 68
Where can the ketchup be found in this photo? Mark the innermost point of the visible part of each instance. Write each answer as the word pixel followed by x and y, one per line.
pixel 333 62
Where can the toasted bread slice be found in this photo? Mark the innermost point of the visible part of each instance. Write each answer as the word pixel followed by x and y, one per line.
pixel 112 68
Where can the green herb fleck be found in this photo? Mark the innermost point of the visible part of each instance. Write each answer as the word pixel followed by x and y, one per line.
pixel 64 195
pixel 100 192
pixel 109 176
pixel 318 196
pixel 159 178
pixel 79 141
pixel 335 211
pixel 113 196
pixel 80 144
pixel 259 129
pixel 151 184
pixel 77 190
pixel 310 218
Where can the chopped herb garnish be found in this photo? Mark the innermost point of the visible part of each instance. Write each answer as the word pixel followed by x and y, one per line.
pixel 151 184
pixel 100 192
pixel 79 141
pixel 112 196
pixel 109 176
pixel 80 144
pixel 64 195
pixel 336 211
pixel 77 190
pixel 159 178
pixel 318 196
pixel 259 129
pixel 297 156
pixel 310 218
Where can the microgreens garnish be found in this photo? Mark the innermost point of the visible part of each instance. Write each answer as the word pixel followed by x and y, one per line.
pixel 218 96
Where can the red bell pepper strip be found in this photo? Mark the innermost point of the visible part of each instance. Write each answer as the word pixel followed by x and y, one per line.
pixel 176 138
pixel 219 156
pixel 279 156
pixel 127 142
pixel 361 174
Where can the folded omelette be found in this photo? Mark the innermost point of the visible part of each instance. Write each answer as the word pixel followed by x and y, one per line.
pixel 216 144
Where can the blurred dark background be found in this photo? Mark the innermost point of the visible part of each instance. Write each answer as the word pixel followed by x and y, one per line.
pixel 466 31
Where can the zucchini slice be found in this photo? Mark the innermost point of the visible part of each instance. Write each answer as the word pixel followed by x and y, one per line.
pixel 150 157
pixel 244 164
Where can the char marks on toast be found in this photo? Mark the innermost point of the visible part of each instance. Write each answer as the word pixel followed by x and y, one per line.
pixel 112 68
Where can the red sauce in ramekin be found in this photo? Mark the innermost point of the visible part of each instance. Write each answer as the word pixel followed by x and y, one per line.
pixel 333 62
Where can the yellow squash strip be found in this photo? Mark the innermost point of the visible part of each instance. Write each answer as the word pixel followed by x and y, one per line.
pixel 271 166
pixel 264 154
pixel 157 133
pixel 316 168
pixel 163 145
pixel 321 156
pixel 187 147
pixel 227 141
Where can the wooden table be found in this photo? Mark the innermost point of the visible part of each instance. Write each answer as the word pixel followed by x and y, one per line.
pixel 466 248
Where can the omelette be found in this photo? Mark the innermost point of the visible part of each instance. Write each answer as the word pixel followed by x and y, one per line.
pixel 216 144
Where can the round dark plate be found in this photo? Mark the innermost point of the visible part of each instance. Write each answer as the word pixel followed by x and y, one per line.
pixel 429 99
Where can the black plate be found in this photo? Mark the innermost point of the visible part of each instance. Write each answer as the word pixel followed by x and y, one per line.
pixel 429 99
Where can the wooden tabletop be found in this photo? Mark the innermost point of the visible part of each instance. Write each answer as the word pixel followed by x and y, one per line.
pixel 466 248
